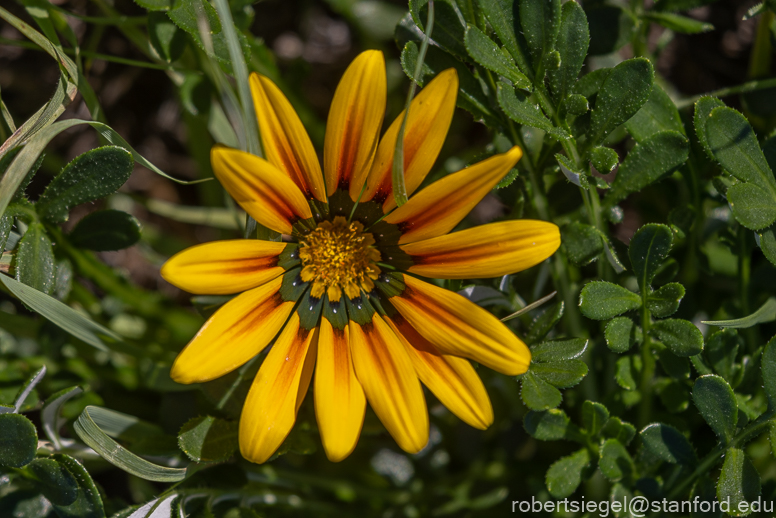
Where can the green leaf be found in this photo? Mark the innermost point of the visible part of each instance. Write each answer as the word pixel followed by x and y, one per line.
pixel 54 481
pixel 166 38
pixel 611 27
pixel 537 394
pixel 583 243
pixel 501 17
pixel 106 230
pixel 753 207
pixel 601 300
pixel 18 440
pixel 665 301
pixel 766 240
pixel 765 313
pixel 721 351
pixel 628 369
pixel 739 482
pixel 35 259
pixel 470 94
pixel 703 108
pixel 88 177
pixel 734 145
pixel 620 334
pixel 615 462
pixel 658 114
pixel 544 323
pixel 668 444
pixel 519 107
pixel 575 105
pixel 49 414
pixel 561 374
pixel 208 439
pixel 681 336
pixel 552 425
pixel 604 159
pixel 540 20
pixel 558 350
pixel 623 92
pixel 648 162
pixel 768 369
pixel 88 504
pixel 449 25
pixel 156 5
pixel 485 52
pixel 615 428
pixel 63 315
pixel 573 41
pixel 679 23
pixel 565 475
pixel 717 404
pixel 673 365
pixel 185 15
pixel 675 396
pixel 26 389
pixel 87 426
pixel 594 417
pixel 648 249
pixel 590 84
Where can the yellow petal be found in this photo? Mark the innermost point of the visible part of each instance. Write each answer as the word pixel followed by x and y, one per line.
pixel 459 327
pixel 354 123
pixel 284 139
pixel 277 392
pixel 339 399
pixel 452 380
pixel 235 333
pixel 271 197
pixel 224 267
pixel 438 208
pixel 489 250
pixel 392 388
pixel 430 115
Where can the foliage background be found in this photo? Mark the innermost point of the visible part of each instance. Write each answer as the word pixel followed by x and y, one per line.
pixel 171 111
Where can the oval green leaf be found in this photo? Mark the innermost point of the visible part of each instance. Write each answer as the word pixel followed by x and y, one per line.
pixel 106 230
pixel 602 300
pixel 668 444
pixel 716 402
pixel 681 336
pixel 18 440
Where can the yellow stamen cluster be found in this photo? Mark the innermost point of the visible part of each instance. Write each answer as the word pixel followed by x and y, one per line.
pixel 339 256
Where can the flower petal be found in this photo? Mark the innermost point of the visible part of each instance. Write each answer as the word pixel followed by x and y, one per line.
pixel 354 123
pixel 339 399
pixel 459 327
pixel 277 392
pixel 430 115
pixel 392 388
pixel 235 333
pixel 271 197
pixel 489 250
pixel 284 139
pixel 453 380
pixel 438 208
pixel 224 267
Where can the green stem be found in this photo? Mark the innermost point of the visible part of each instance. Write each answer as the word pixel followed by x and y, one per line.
pixel 647 364
pixel 397 171
pixel 744 276
pixel 88 54
pixel 749 86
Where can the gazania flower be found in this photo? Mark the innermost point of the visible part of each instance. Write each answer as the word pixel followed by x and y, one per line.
pixel 342 296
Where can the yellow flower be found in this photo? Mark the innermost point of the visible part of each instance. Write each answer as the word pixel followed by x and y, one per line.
pixel 344 297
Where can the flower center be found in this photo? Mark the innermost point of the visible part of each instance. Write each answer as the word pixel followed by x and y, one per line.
pixel 339 256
